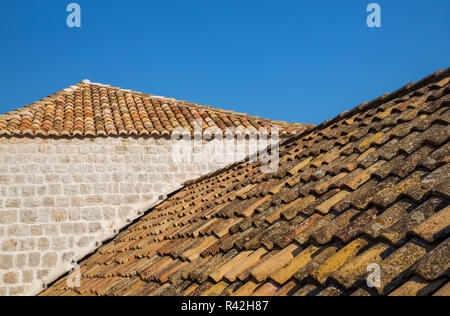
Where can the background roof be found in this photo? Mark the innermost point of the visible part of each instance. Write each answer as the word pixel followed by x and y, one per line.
pixel 94 109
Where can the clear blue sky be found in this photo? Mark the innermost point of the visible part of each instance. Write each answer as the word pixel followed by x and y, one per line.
pixel 293 60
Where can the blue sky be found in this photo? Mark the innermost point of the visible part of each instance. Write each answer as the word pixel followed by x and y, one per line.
pixel 293 60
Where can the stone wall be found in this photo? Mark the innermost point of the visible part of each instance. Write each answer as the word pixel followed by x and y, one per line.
pixel 61 197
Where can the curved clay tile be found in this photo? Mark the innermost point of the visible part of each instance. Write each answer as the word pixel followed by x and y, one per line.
pixel 97 110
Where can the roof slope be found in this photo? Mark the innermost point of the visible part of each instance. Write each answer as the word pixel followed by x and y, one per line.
pixel 91 109
pixel 368 187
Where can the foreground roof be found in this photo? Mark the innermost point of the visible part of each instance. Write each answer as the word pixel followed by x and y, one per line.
pixel 368 187
pixel 93 109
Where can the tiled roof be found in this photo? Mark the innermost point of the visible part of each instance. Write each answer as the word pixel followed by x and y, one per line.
pixel 90 109
pixel 368 187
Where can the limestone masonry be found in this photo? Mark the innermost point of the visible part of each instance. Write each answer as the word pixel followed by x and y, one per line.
pixel 59 197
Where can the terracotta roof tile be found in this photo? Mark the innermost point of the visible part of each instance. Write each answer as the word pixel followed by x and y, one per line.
pixel 436 225
pixel 435 263
pixel 223 270
pixel 398 263
pixel 354 270
pixel 388 218
pixel 268 289
pixel 90 109
pixel 306 290
pixel 282 275
pixel 415 217
pixel 277 261
pixel 444 291
pixel 326 233
pixel 369 186
pixel 337 260
pixel 287 289
pixel 246 290
pixel 216 289
pixel 360 292
pixel 330 291
pixel 311 225
pixel 244 264
pixel 417 287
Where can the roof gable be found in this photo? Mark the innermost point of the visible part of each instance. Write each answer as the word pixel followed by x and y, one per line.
pixel 368 187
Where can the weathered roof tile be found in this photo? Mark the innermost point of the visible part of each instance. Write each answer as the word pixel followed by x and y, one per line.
pixel 435 263
pixel 435 226
pixel 417 287
pixel 387 219
pixel 351 272
pixel 283 274
pixel 340 258
pixel 398 263
pixel 368 187
pixel 444 291
pixel 407 223
pixel 277 261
